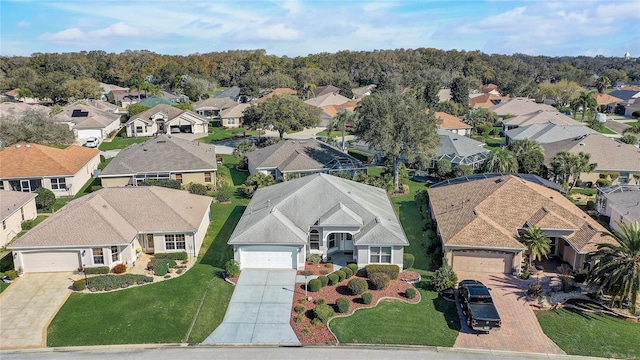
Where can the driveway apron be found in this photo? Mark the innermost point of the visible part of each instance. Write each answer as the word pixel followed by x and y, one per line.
pixel 27 307
pixel 259 310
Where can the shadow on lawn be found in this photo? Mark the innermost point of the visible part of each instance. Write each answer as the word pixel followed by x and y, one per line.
pixel 450 312
pixel 219 252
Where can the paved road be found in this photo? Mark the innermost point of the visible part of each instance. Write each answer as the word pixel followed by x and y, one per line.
pixel 273 353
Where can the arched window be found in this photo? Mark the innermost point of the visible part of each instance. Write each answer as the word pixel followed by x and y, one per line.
pixel 314 240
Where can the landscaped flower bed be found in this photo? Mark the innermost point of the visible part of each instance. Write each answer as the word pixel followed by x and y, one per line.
pixel 319 269
pixel 318 333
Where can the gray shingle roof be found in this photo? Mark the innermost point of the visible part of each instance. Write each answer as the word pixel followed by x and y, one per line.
pixel 520 106
pixel 86 117
pixel 168 110
pixel 547 133
pixel 114 216
pixel 541 117
pixel 451 143
pixel 12 201
pixel 282 213
pixel 609 154
pixel 163 153
pixel 626 203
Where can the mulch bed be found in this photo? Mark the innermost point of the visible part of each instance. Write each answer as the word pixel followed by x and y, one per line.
pixel 317 269
pixel 320 334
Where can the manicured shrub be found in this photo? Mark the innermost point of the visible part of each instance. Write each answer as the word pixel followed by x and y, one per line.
pixel 324 272
pixel 232 268
pixel 119 269
pixel 333 279
pixel 323 280
pixel 167 183
pixel 161 265
pixel 408 260
pixel 393 271
pixel 45 198
pixel 379 280
pixel 11 274
pixel 353 267
pixel 347 272
pixel 108 282
pixel 367 298
pixel 357 286
pixel 224 193
pixel 79 285
pixel 297 319
pixel 314 258
pixel 172 255
pixel 197 189
pixel 444 278
pixel 411 293
pixel 314 321
pixel 323 312
pixel 341 275
pixel 299 309
pixel 96 270
pixel 314 285
pixel 342 305
pixel 320 301
pixel 603 182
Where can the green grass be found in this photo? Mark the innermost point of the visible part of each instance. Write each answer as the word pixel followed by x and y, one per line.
pixel 375 170
pixel 433 322
pixel 579 333
pixel 3 286
pixel 221 133
pixel 121 143
pixel 605 130
pixel 490 141
pixel 333 133
pixel 584 191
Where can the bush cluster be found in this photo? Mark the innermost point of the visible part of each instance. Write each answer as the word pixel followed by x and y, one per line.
pixel 342 305
pixel 379 280
pixel 224 193
pixel 408 260
pixel 323 280
pixel 393 271
pixel 172 255
pixel 411 293
pixel 357 286
pixel 197 189
pixel 232 268
pixel 119 269
pixel 367 298
pixel 96 270
pixel 347 272
pixel 341 275
pixel 79 285
pixel 333 279
pixel 314 285
pixel 353 267
pixel 323 312
pixel 161 265
pixel 110 282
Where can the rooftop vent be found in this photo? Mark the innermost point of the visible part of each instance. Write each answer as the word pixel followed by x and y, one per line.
pixel 499 180
pixel 582 144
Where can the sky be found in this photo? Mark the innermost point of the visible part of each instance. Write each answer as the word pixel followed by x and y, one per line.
pixel 302 27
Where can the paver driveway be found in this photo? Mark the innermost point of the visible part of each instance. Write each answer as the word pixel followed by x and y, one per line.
pixel 28 305
pixel 520 328
pixel 259 310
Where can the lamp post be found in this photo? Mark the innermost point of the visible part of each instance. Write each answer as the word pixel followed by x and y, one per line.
pixel 84 270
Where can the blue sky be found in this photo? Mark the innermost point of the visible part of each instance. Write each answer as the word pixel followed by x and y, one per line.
pixel 301 27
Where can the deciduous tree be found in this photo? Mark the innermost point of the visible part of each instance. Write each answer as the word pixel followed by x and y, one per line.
pixel 284 113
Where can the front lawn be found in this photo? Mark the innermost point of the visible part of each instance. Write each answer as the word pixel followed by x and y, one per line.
pixel 121 143
pixel 605 130
pixel 3 286
pixel 580 333
pixel 221 133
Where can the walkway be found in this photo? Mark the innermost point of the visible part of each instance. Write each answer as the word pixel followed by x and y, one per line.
pixel 28 305
pixel 259 311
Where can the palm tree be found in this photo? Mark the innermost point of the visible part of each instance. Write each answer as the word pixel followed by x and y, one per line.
pixel 537 242
pixel 308 90
pixel 587 101
pixel 635 129
pixel 565 166
pixel 602 84
pixel 500 161
pixel 618 268
pixel 242 148
pixel 341 120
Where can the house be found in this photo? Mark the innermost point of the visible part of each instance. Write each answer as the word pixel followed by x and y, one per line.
pixel 453 124
pixel 232 93
pixel 609 154
pixel 212 107
pixel 486 100
pixel 152 101
pixel 232 117
pixel 607 101
pixel 162 119
pixel 15 208
pixel 327 99
pixel 318 214
pixel 479 219
pixel 275 92
pixel 329 112
pixel 490 89
pixel 547 133
pixel 124 97
pixel 359 93
pixel 26 167
pixel 88 121
pixel 162 157
pixel 327 89
pixel 296 158
pixel 459 150
pixel 109 226
pixel 8 108
pixel 519 106
pixel 538 117
pixel 621 203
pixel 106 88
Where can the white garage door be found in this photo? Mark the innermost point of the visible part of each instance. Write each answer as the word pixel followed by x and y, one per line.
pixel 83 134
pixel 268 257
pixel 483 261
pixel 50 261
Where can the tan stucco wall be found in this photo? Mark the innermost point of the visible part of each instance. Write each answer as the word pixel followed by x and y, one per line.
pixel 115 182
pixel 238 122
pixel 14 222
pixel 151 129
pixel 196 178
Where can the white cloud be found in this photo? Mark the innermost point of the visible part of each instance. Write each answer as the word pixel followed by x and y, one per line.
pixel 23 24
pixel 278 32
pixel 374 6
pixel 292 6
pixel 71 35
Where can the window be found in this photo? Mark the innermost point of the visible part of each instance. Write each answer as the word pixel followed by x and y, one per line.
pixel 332 240
pixel 380 254
pixel 1 185
pixel 174 242
pixel 314 240
pixel 179 178
pixel 114 254
pixel 98 256
pixel 58 184
pixel 138 129
pixel 207 177
pixel 231 121
pixel 4 225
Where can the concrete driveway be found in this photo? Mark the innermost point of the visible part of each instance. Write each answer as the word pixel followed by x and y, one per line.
pixel 28 305
pixel 520 328
pixel 259 310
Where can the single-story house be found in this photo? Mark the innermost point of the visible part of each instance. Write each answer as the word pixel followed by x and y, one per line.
pixel 232 117
pixel 319 214
pixel 538 117
pixel 88 121
pixel 162 119
pixel 479 219
pixel 460 150
pixel 453 124
pixel 26 167
pixel 124 96
pixel 327 99
pixel 609 154
pixel 275 92
pixel 547 133
pixel 232 93
pixel 296 158
pixel 608 101
pixel 486 100
pixel 621 203
pixel 519 106
pixel 114 226
pixel 15 208
pixel 162 157
pixel 361 92
pixel 326 89
pixel 212 107
pixel 329 112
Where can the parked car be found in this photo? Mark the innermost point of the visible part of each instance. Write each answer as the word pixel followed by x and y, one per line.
pixel 92 142
pixel 478 307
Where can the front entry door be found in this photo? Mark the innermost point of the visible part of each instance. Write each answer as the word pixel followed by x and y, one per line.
pixel 147 244
pixel 161 127
pixel 347 242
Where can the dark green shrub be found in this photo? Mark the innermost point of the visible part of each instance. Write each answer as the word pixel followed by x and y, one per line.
pixel 197 189
pixel 341 275
pixel 379 280
pixel 357 286
pixel 393 271
pixel 525 273
pixel 167 183
pixel 367 298
pixel 28 224
pixel 347 272
pixel 323 312
pixel 299 309
pixel 603 182
pixel 11 274
pixel 108 282
pixel 95 188
pixel 232 268
pixel 444 278
pixel 408 260
pixel 361 155
pixel 297 319
pixel 411 293
pixel 182 255
pixel 580 275
pixel 119 269
pixel 79 285
pixel 96 270
pixel 224 193
pixel 333 279
pixel 314 285
pixel 319 301
pixel 323 280
pixel 342 305
pixel 314 321
pixel 353 267
pixel 45 198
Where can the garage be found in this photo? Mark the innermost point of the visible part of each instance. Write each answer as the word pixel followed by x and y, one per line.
pixel 87 133
pixel 482 261
pixel 268 257
pixel 50 261
pixel 176 129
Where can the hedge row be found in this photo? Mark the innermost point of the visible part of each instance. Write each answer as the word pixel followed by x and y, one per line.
pixel 110 282
pixel 172 255
pixel 393 271
pixel 361 155
pixel 332 279
pixel 97 270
